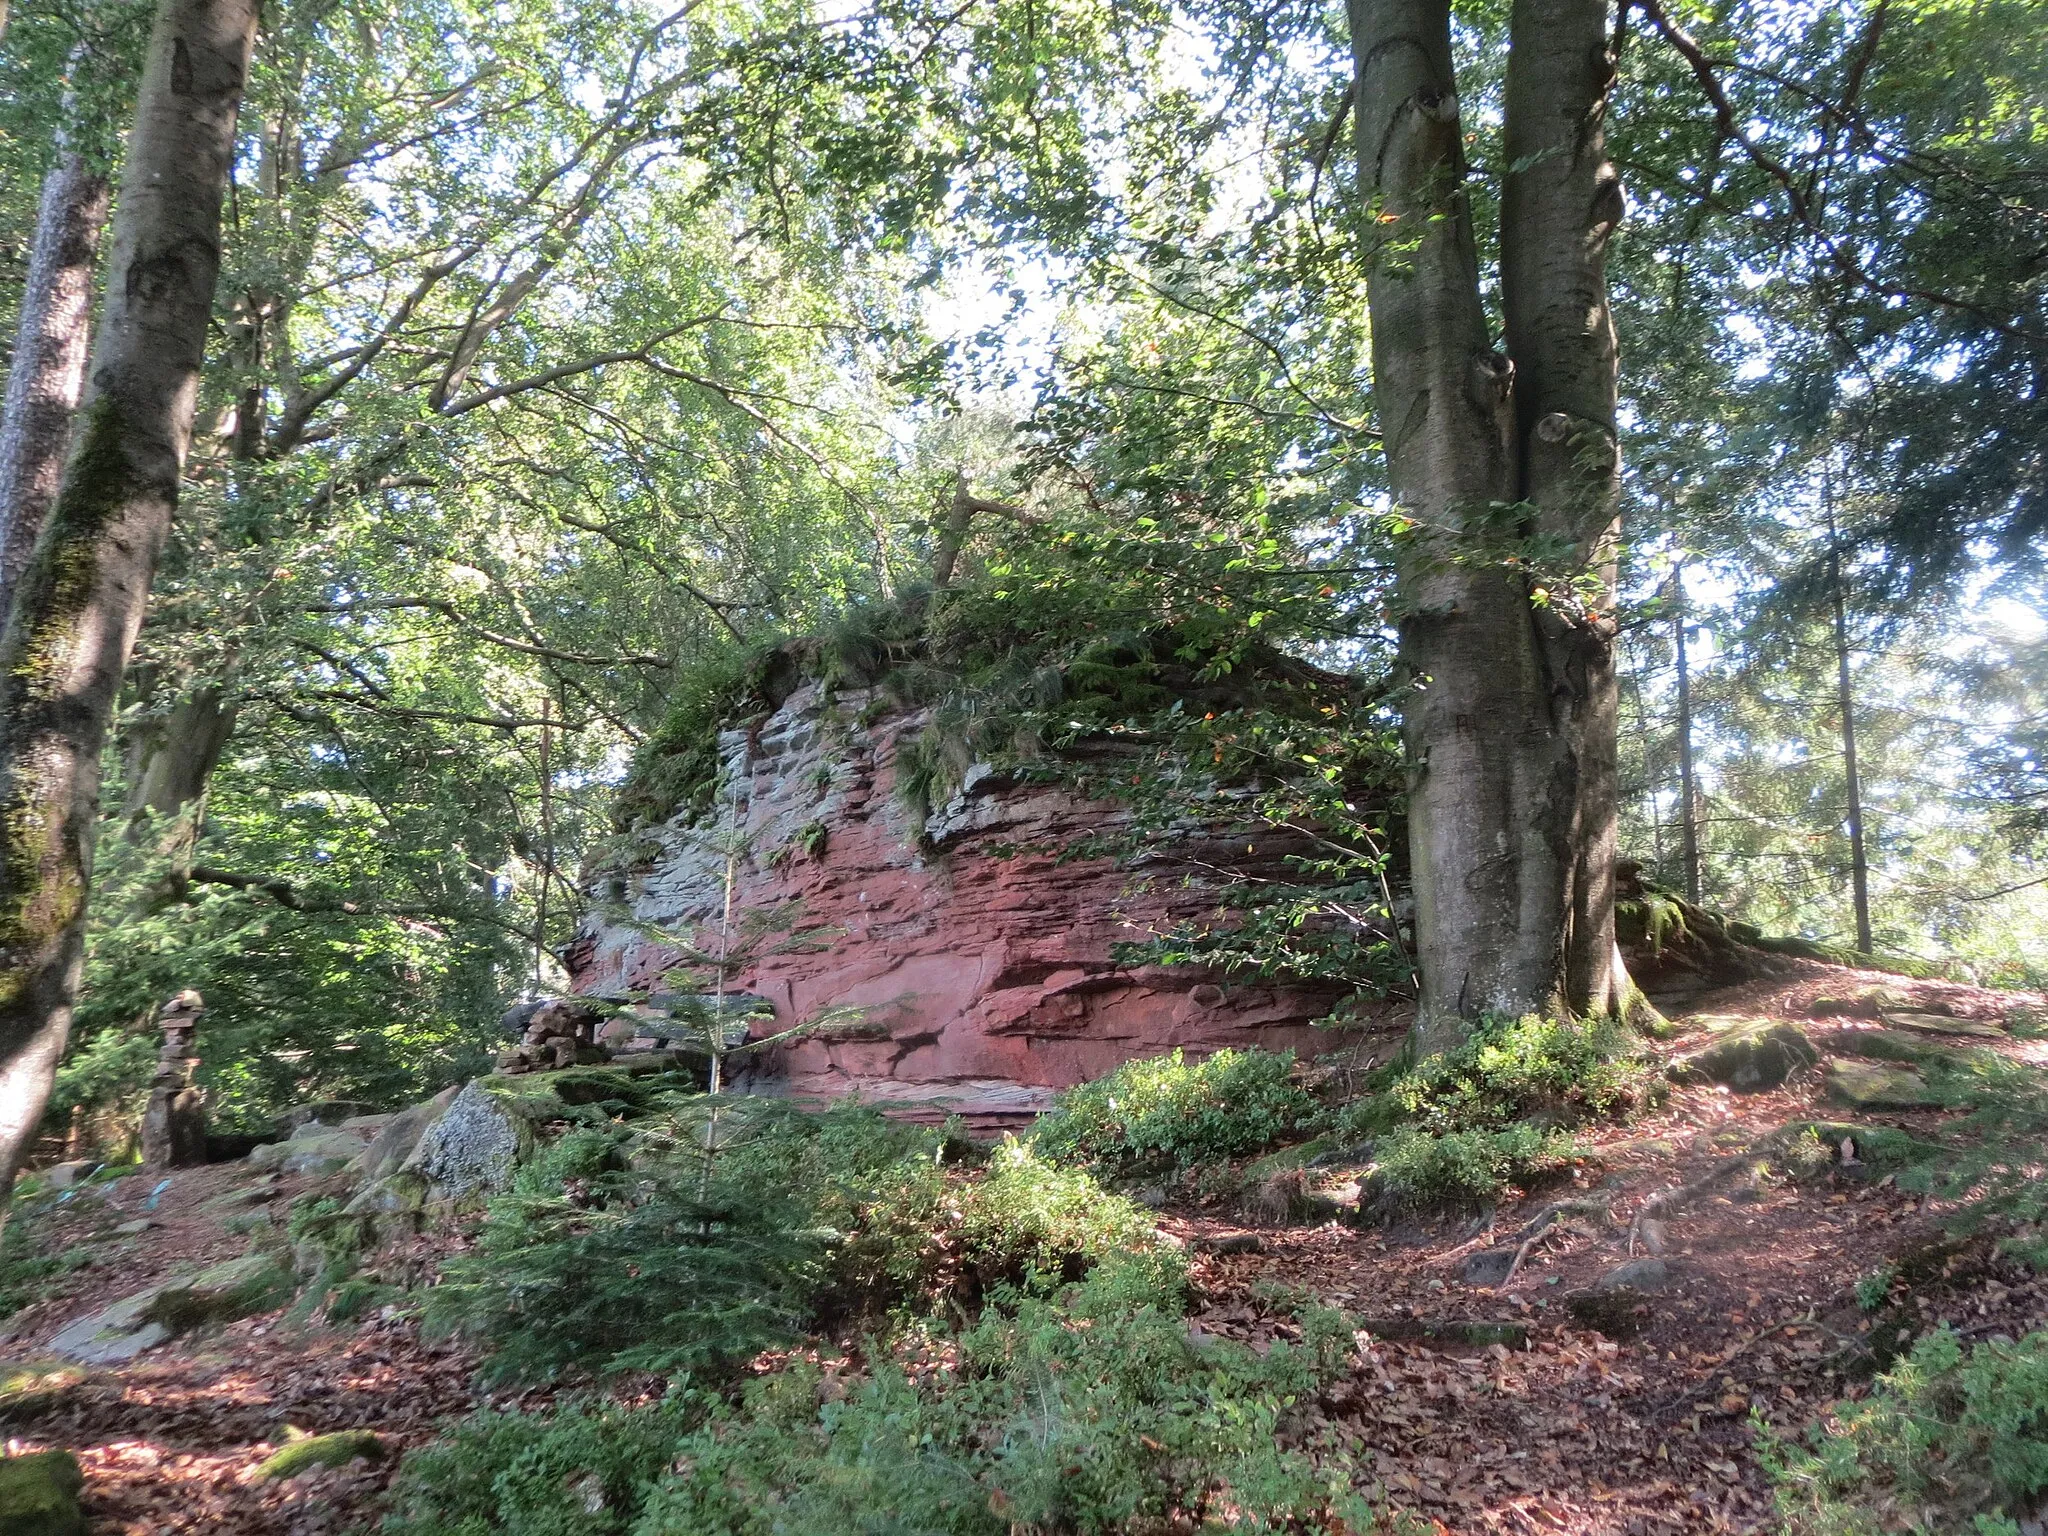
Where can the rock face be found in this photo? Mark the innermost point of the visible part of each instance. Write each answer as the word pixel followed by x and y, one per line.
pixel 471 1148
pixel 981 954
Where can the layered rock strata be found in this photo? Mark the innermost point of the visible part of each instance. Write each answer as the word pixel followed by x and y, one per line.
pixel 977 947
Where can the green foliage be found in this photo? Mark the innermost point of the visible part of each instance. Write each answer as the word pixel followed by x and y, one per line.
pixel 1986 1162
pixel 1950 1439
pixel 693 1244
pixel 578 1471
pixel 1875 1288
pixel 1028 1221
pixel 1418 1167
pixel 1088 1413
pixel 676 769
pixel 589 1262
pixel 1554 1071
pixel 1168 1109
pixel 1463 1126
pixel 28 1273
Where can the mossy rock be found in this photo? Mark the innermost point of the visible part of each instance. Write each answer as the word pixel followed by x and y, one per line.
pixel 1942 1024
pixel 239 1288
pixel 1617 1311
pixel 1888 1045
pixel 1749 1057
pixel 1864 1003
pixel 604 1086
pixel 473 1147
pixel 1868 1085
pixel 335 1450
pixel 39 1495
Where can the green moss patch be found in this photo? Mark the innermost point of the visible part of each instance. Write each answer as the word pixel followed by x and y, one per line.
pixel 335 1450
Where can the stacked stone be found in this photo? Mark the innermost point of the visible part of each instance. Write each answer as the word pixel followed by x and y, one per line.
pixel 553 1034
pixel 174 1124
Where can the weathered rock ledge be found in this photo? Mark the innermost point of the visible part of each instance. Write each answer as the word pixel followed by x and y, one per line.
pixel 980 950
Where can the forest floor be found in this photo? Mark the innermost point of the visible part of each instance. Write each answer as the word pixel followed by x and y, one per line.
pixel 1648 1427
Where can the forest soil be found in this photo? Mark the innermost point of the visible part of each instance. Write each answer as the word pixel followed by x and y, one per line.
pixel 1576 1432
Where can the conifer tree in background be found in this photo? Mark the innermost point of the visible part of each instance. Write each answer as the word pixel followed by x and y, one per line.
pixel 81 600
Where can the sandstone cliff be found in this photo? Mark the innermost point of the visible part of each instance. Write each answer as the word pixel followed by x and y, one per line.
pixel 981 953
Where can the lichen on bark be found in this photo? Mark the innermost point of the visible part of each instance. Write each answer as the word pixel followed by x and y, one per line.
pixel 45 863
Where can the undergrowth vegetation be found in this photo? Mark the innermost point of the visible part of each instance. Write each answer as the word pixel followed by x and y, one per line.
pixel 1495 1112
pixel 1089 1411
pixel 1168 1111
pixel 1460 1127
pixel 1952 1439
pixel 706 1233
pixel 1027 1362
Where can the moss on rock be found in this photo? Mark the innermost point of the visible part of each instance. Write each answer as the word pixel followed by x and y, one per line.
pixel 335 1450
pixel 39 1495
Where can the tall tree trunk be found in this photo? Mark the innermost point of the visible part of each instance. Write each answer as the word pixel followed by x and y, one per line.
pixel 1688 793
pixel 48 370
pixel 1561 203
pixel 1852 779
pixel 81 600
pixel 1512 719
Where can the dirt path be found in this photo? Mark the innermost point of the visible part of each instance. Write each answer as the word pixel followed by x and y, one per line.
pixel 1591 1434
pixel 1565 1430
pixel 170 1442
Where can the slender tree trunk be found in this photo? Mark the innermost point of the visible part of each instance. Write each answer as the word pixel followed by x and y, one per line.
pixel 81 600
pixel 1513 719
pixel 1859 866
pixel 1688 801
pixel 48 370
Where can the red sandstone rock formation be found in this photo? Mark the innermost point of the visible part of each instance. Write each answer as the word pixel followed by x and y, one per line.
pixel 983 960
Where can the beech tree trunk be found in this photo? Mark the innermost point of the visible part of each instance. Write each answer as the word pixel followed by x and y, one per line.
pixel 1494 454
pixel 171 760
pixel 81 599
pixel 48 370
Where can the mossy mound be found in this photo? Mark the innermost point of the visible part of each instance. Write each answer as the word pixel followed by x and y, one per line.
pixel 39 1495
pixel 335 1450
pixel 1749 1057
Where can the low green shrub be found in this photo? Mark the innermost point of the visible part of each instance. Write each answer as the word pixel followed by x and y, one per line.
pixel 1171 1110
pixel 639 1249
pixel 1950 1440
pixel 1028 1221
pixel 1417 1167
pixel 1986 1160
pixel 1093 1413
pixel 1464 1126
pixel 28 1273
pixel 582 1470
pixel 1551 1070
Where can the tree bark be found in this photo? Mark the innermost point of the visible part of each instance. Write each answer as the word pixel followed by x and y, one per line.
pixel 1688 794
pixel 1512 715
pixel 81 600
pixel 1561 203
pixel 48 370
pixel 1845 692
pixel 172 759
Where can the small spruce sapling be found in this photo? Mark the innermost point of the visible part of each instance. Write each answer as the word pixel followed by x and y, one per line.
pixel 718 1016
